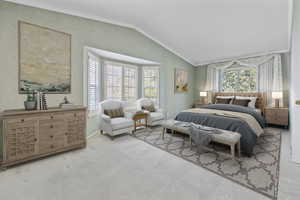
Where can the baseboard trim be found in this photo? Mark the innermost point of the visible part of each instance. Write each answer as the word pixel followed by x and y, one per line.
pixel 93 134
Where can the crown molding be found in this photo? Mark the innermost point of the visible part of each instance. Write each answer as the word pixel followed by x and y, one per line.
pixel 241 57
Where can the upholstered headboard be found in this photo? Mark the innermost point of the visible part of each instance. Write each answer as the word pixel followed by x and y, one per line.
pixel 260 102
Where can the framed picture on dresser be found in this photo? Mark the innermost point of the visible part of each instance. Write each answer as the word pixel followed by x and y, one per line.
pixel 44 59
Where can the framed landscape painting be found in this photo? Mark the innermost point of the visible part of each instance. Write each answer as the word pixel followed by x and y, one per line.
pixel 181 80
pixel 44 59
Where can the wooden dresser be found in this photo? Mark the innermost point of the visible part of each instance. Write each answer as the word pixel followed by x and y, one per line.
pixel 277 116
pixel 27 135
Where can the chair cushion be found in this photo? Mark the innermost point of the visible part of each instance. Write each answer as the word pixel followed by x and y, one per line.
pixel 120 123
pixel 155 116
pixel 150 108
pixel 113 113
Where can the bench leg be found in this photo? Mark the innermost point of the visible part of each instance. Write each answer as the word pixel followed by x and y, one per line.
pixel 232 148
pixel 239 149
pixel 163 134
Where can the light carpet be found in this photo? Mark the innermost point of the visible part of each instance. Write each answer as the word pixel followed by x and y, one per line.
pixel 259 173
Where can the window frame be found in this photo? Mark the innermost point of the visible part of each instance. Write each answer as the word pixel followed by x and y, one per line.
pixel 157 102
pixel 238 69
pixel 93 112
pixel 123 65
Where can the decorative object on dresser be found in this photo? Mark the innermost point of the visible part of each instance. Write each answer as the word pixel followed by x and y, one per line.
pixel 277 96
pixel 31 101
pixel 28 135
pixel 44 102
pixel 66 103
pixel 277 116
pixel 44 59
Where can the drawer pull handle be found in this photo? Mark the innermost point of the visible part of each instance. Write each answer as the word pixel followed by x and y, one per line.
pixel 22 120
pixel 66 133
pixel 51 136
pixel 51 126
pixel 51 146
pixel 35 139
pixel 51 117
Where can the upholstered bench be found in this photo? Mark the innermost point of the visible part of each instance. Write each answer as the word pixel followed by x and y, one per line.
pixel 224 137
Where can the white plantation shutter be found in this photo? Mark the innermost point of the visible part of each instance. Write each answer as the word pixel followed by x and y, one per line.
pixel 93 82
pixel 151 83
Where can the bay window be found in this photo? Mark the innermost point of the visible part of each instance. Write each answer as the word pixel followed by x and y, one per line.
pixel 120 81
pixel 151 83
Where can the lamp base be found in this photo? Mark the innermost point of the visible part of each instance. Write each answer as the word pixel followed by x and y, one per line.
pixel 276 103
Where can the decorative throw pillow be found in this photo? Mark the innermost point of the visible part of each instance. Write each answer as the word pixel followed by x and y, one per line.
pixel 113 113
pixel 150 108
pixel 241 102
pixel 222 100
pixel 252 100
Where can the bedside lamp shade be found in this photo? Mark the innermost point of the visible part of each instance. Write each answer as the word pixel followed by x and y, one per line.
pixel 277 96
pixel 203 94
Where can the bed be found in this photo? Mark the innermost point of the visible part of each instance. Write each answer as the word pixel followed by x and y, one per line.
pixel 248 121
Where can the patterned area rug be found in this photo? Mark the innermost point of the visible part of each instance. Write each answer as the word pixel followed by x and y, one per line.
pixel 259 172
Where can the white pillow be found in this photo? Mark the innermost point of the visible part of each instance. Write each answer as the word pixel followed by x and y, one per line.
pixel 224 97
pixel 252 102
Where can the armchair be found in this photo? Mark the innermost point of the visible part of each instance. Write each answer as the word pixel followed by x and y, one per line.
pixel 115 125
pixel 154 118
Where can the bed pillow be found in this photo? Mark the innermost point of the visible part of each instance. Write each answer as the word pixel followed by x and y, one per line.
pixel 252 100
pixel 223 100
pixel 224 97
pixel 113 113
pixel 241 102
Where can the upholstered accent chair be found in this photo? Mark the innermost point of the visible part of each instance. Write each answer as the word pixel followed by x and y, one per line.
pixel 115 124
pixel 154 118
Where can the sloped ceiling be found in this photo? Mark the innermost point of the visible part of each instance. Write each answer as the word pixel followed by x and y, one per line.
pixel 199 31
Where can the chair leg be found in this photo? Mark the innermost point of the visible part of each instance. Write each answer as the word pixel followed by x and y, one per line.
pixel 163 134
pixel 101 131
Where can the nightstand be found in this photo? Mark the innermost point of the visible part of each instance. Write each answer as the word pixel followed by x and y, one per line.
pixel 277 116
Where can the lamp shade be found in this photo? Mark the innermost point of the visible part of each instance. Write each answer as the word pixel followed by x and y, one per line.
pixel 276 95
pixel 203 94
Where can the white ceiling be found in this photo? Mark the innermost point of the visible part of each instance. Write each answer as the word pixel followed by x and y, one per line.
pixel 200 31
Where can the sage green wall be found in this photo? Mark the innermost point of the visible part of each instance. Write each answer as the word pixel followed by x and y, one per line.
pixel 84 32
pixel 200 78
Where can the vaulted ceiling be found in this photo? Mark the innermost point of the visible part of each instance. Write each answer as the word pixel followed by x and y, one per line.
pixel 199 31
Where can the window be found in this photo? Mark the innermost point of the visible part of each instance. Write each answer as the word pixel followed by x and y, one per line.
pixel 120 81
pixel 239 80
pixel 93 82
pixel 151 83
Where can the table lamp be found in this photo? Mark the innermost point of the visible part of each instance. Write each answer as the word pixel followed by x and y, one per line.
pixel 277 96
pixel 203 95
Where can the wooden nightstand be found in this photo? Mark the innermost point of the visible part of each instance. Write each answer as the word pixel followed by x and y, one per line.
pixel 277 116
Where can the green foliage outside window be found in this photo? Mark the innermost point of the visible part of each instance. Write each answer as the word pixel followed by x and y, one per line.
pixel 239 80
